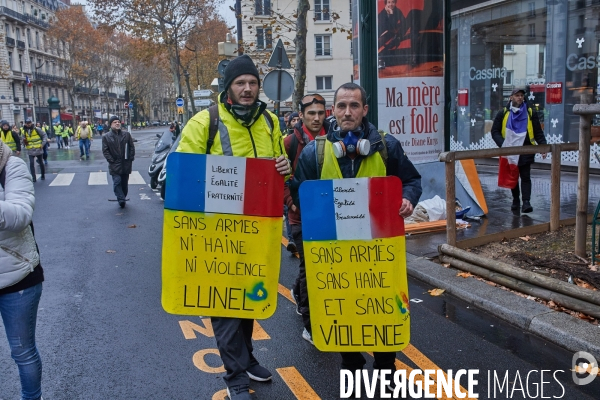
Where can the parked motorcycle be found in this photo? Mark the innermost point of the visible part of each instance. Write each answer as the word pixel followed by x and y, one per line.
pixel 161 150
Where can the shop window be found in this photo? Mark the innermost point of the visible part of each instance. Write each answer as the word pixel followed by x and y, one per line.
pixel 508 77
pixel 264 39
pixel 321 10
pixel 262 7
pixel 324 82
pixel 322 45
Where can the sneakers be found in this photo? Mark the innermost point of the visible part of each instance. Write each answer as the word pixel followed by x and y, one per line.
pixel 259 373
pixel 515 205
pixel 291 247
pixel 526 207
pixel 240 392
pixel 296 301
pixel 122 204
pixel 307 336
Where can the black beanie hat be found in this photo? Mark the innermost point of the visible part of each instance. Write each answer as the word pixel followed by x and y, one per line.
pixel 239 66
pixel 113 118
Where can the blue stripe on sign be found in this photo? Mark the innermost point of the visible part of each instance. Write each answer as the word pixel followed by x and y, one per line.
pixel 186 180
pixel 318 212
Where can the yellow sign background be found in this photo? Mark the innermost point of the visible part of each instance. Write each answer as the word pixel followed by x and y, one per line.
pixel 220 265
pixel 358 294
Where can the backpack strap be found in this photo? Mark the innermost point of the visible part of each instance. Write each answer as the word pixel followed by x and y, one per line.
pixel 293 148
pixel 320 152
pixel 213 113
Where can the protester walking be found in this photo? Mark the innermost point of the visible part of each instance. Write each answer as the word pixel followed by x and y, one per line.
pixel 11 138
pixel 20 277
pixel 119 151
pixel 84 136
pixel 35 139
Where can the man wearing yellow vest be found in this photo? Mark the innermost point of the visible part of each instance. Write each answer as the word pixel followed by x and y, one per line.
pixel 354 148
pixel 519 125
pixel 58 134
pixel 34 140
pixel 244 129
pixel 9 137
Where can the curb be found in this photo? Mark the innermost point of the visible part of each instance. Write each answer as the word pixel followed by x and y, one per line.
pixel 557 327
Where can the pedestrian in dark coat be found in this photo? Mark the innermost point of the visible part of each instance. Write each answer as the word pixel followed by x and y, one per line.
pixel 119 151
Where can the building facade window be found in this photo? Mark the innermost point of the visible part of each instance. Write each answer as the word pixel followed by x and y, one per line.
pixel 10 59
pixel 324 82
pixel 322 45
pixel 262 7
pixel 508 78
pixel 7 30
pixel 37 40
pixel 322 10
pixel 21 62
pixel 264 39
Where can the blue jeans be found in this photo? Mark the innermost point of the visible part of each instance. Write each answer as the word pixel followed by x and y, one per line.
pixel 120 186
pixel 19 314
pixel 84 143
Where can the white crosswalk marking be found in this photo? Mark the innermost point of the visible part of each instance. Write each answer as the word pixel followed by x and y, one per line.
pixel 63 179
pixel 98 178
pixel 136 179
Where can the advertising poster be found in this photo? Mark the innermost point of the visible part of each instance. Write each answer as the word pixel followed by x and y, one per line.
pixel 410 87
pixel 221 236
pixel 355 254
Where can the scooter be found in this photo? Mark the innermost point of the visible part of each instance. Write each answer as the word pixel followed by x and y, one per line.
pixel 161 150
pixel 162 176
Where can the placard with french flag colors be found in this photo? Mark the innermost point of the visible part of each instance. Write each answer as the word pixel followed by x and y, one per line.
pixel 355 255
pixel 221 236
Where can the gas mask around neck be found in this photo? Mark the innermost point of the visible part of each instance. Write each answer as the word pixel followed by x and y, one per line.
pixel 350 142
pixel 246 114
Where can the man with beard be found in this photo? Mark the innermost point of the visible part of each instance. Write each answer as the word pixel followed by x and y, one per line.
pixel 238 126
pixel 35 140
pixel 119 151
pixel 10 138
pixel 312 124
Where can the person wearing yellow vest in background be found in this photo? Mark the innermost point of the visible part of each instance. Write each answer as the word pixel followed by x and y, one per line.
pixel 65 136
pixel 84 136
pixel 9 137
pixel 353 148
pixel 521 120
pixel 34 140
pixel 58 135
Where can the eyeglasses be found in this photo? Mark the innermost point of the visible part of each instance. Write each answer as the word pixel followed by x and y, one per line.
pixel 311 99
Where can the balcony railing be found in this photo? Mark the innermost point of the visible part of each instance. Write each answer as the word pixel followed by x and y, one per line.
pixel 48 78
pixel 10 42
pixel 23 17
pixel 20 44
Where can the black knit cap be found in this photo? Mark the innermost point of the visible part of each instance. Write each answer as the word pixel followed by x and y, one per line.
pixel 113 118
pixel 239 66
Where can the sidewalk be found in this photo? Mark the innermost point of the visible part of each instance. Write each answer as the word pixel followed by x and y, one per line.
pixel 557 327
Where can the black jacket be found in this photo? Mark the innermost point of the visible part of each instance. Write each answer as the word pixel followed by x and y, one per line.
pixel 538 133
pixel 113 148
pixel 397 164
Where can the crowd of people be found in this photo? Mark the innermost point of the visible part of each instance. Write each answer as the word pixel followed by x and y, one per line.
pixel 311 146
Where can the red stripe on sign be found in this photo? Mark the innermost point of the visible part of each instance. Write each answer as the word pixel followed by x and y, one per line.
pixel 260 175
pixel 385 199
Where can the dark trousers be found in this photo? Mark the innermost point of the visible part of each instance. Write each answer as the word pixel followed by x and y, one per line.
pixel 120 186
pixel 300 285
pixel 525 174
pixel 355 360
pixel 40 161
pixel 65 140
pixel 234 341
pixel 45 155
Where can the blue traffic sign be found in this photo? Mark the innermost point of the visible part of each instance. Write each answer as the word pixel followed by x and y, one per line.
pixel 130 104
pixel 179 102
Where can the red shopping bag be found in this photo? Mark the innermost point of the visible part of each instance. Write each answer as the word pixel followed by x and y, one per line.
pixel 508 174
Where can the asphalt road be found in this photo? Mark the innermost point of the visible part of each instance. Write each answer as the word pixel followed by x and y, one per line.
pixel 103 334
